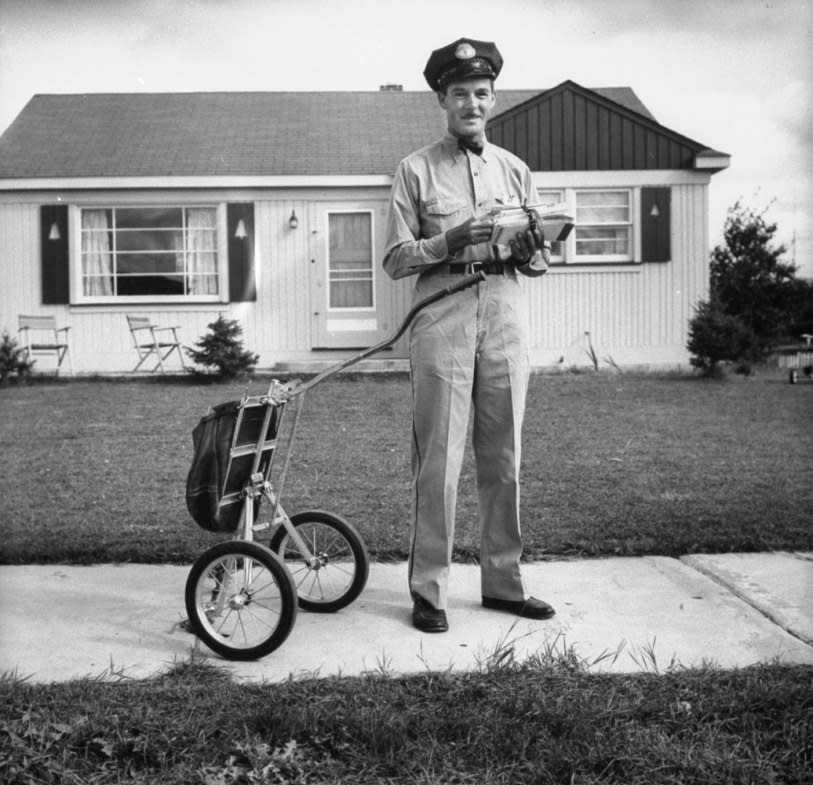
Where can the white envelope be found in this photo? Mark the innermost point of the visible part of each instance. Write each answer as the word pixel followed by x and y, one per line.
pixel 557 222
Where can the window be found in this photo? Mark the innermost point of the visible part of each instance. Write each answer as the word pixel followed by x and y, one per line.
pixel 603 231
pixel 149 253
pixel 350 260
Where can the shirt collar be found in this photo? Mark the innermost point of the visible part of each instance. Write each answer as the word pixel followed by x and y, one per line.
pixel 450 145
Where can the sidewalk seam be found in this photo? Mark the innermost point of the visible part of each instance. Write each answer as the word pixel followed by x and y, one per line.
pixel 746 599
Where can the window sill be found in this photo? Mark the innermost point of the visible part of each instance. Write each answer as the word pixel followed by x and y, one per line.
pixel 596 267
pixel 204 306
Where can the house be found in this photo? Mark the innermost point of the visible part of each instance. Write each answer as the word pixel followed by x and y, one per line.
pixel 269 208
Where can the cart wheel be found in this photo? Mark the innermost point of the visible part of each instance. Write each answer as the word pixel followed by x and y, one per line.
pixel 340 567
pixel 241 600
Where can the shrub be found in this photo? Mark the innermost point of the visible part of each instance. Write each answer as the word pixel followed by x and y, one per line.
pixel 716 337
pixel 221 350
pixel 750 279
pixel 12 359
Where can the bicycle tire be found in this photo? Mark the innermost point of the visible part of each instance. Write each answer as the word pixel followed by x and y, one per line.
pixel 241 600
pixel 342 567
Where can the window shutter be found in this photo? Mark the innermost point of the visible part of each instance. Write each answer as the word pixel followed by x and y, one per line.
pixel 54 269
pixel 240 223
pixel 656 231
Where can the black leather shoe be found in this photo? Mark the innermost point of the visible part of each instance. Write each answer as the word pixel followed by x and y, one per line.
pixel 427 618
pixel 527 609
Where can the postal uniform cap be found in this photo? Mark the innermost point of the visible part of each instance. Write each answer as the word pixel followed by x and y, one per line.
pixel 465 58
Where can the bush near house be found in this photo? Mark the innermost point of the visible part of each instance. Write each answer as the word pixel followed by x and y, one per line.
pixel 221 350
pixel 756 300
pixel 13 360
pixel 716 337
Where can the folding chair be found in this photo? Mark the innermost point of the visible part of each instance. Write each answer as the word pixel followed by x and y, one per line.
pixel 40 335
pixel 147 342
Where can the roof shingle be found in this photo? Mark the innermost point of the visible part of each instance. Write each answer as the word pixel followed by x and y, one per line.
pixel 231 134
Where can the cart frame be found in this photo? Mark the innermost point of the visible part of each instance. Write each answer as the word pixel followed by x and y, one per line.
pixel 239 586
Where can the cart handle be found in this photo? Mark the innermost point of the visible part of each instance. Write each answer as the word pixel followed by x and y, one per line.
pixel 468 281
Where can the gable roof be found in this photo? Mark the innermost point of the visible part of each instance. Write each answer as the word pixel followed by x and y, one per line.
pixel 572 128
pixel 232 134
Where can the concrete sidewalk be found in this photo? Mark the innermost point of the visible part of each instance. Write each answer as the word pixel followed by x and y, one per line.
pixel 63 622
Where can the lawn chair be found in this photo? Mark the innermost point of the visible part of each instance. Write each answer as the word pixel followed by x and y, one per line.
pixel 148 344
pixel 40 335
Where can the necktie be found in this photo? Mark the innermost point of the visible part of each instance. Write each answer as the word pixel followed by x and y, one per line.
pixel 469 144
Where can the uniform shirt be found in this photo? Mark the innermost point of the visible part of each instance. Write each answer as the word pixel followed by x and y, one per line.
pixel 439 187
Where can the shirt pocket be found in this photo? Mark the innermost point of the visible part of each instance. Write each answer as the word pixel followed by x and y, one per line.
pixel 440 213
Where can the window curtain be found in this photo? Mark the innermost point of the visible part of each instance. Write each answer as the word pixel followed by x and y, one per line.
pixel 97 272
pixel 201 245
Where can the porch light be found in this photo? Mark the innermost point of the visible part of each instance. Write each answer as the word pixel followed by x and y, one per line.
pixel 54 233
pixel 240 231
pixel 293 221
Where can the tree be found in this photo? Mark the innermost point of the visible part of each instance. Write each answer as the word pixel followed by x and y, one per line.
pixel 756 301
pixel 750 280
pixel 222 350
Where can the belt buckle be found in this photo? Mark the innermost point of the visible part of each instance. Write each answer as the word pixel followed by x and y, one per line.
pixel 472 268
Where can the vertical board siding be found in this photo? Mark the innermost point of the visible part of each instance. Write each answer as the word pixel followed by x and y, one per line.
pixel 578 151
pixel 533 133
pixel 604 142
pixel 521 135
pixel 616 142
pixel 568 133
pixel 568 130
pixel 641 312
pixel 554 116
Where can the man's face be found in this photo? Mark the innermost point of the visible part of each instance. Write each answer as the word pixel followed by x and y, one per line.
pixel 468 105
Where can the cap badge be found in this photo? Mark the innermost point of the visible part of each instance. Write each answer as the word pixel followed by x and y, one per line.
pixel 464 51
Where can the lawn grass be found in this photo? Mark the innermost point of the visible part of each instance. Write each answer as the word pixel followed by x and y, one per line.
pixel 94 471
pixel 531 724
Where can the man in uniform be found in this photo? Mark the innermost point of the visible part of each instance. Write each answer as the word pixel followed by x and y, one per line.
pixel 470 347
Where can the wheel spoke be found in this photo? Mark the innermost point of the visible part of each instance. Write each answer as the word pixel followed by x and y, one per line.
pixel 334 567
pixel 337 570
pixel 317 581
pixel 243 580
pixel 269 608
pixel 321 583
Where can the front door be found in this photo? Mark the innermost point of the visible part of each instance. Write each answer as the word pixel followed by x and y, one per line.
pixel 349 297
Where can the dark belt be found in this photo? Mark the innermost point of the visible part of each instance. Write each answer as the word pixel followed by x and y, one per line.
pixel 470 268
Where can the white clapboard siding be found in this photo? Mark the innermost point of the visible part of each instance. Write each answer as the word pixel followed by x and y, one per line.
pixel 636 315
pixel 19 264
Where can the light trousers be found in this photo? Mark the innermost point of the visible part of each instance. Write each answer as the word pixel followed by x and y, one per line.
pixel 468 349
